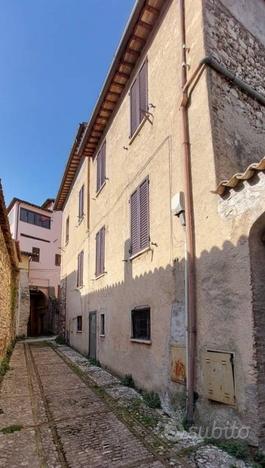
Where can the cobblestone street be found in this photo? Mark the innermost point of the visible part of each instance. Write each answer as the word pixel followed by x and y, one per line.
pixel 59 410
pixel 50 417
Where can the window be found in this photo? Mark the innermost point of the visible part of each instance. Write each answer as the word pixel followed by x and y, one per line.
pixel 102 324
pixel 32 217
pixel 57 259
pixel 67 230
pixel 100 251
pixel 35 257
pixel 101 167
pixel 81 203
pixel 139 98
pixel 80 267
pixel 79 323
pixel 140 236
pixel 141 324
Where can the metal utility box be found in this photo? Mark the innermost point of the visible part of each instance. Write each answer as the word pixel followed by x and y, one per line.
pixel 218 373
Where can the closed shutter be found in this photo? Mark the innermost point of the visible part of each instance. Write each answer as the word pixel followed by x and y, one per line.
pixel 103 164
pixel 81 268
pixel 102 250
pixel 134 98
pixel 143 91
pixel 98 170
pixel 135 235
pixel 144 214
pixel 81 202
pixel 98 253
pixel 78 270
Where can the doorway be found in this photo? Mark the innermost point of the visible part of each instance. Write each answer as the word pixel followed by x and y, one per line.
pixel 92 346
pixel 38 323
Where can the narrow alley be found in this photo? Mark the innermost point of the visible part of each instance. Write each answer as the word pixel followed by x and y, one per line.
pixel 51 417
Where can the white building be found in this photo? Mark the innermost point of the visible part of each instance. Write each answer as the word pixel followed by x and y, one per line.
pixel 38 230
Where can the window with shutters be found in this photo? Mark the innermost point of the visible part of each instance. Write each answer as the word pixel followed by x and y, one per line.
pixel 67 230
pixel 35 257
pixel 79 324
pixel 81 203
pixel 140 235
pixel 139 98
pixel 101 167
pixel 80 269
pixel 141 329
pixel 100 252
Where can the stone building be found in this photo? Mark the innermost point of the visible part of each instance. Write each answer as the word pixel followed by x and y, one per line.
pixel 38 231
pixel 9 260
pixel 165 287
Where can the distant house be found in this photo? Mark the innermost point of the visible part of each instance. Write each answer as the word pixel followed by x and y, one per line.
pixel 38 231
pixel 9 261
pixel 170 289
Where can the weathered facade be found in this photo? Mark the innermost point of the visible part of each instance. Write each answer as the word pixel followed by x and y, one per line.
pixel 9 258
pixel 106 300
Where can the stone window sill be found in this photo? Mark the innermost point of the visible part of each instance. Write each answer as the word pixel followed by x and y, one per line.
pixel 141 252
pixel 79 331
pixel 138 129
pixel 102 336
pixel 146 342
pixel 101 275
pixel 101 188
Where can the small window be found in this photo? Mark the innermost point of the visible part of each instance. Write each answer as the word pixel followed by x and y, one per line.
pixel 35 257
pixel 139 98
pixel 102 324
pixel 67 230
pixel 81 203
pixel 100 251
pixel 57 259
pixel 79 323
pixel 140 235
pixel 80 267
pixel 101 167
pixel 141 329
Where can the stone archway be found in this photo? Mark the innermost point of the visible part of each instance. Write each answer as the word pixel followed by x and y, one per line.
pixel 38 323
pixel 257 263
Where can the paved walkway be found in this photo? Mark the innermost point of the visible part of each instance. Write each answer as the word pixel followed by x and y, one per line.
pixel 50 417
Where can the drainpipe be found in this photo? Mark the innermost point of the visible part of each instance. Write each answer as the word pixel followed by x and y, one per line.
pixel 190 239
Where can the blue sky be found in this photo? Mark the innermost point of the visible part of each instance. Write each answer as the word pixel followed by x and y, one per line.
pixel 54 56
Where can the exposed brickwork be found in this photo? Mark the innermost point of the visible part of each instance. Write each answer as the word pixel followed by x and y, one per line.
pixel 229 43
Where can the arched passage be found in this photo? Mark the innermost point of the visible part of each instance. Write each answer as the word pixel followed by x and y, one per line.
pixel 257 262
pixel 38 323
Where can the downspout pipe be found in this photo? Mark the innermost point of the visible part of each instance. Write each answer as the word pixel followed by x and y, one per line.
pixel 190 237
pixel 211 63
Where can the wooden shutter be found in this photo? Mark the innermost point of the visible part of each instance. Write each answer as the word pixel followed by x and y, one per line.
pixel 144 214
pixel 81 202
pixel 98 170
pixel 134 99
pixel 102 250
pixel 143 92
pixel 81 268
pixel 135 234
pixel 67 230
pixel 98 253
pixel 103 164
pixel 78 270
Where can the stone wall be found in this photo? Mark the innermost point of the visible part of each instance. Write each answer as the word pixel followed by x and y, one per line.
pixel 8 293
pixel 24 303
pixel 237 119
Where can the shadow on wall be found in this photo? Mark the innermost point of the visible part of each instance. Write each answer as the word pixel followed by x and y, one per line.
pixel 228 280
